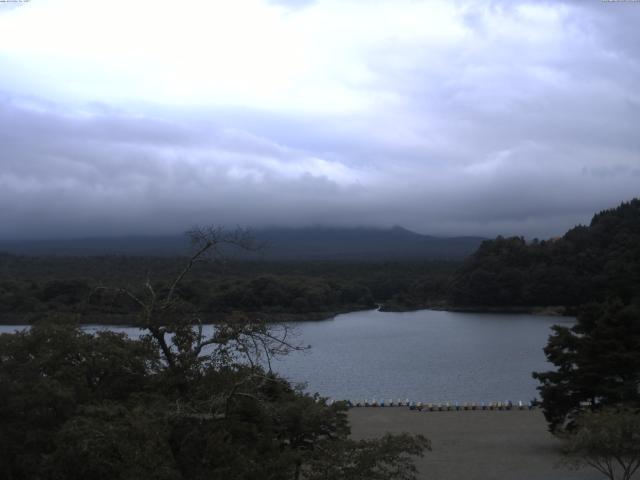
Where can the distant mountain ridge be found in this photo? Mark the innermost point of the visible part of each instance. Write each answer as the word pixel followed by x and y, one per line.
pixel 310 243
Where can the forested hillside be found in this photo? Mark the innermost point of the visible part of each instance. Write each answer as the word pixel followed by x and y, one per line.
pixel 589 263
pixel 31 287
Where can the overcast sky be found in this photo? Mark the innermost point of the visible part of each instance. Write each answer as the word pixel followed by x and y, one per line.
pixel 446 117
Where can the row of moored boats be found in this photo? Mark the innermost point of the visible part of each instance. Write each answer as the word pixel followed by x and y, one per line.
pixel 440 407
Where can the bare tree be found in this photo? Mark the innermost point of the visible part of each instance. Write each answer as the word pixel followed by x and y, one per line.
pixel 177 329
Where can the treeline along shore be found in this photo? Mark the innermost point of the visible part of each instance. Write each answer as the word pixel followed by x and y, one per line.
pixel 554 276
pixel 276 291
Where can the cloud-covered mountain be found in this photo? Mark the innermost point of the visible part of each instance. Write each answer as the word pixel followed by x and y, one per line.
pixel 318 243
pixel 449 117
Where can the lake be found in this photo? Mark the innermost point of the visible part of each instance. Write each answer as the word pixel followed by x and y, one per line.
pixel 426 355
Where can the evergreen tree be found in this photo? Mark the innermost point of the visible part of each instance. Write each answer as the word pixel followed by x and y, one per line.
pixel 597 360
pixel 589 263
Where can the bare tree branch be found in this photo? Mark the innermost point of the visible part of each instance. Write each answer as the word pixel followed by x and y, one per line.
pixel 180 335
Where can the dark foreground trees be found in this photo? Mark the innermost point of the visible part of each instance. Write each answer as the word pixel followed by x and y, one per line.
pixel 592 399
pixel 597 363
pixel 174 404
pixel 607 440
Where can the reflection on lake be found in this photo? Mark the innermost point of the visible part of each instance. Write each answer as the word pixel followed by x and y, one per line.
pixel 425 355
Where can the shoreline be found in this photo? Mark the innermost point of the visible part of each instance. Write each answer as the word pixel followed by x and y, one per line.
pixel 548 311
pixel 129 319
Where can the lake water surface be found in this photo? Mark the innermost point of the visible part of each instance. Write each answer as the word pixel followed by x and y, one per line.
pixel 427 355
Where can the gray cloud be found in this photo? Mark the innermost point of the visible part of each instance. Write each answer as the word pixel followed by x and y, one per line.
pixel 518 131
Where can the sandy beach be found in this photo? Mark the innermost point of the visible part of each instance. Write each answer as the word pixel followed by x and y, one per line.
pixel 475 445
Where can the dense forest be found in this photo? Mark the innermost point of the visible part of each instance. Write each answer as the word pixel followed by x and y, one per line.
pixel 588 263
pixel 31 287
pixel 174 404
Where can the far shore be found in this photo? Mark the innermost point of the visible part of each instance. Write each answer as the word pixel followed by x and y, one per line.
pixel 474 445
pixel 548 311
pixel 130 320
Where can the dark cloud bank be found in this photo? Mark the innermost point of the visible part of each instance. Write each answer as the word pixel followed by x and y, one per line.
pixel 529 139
